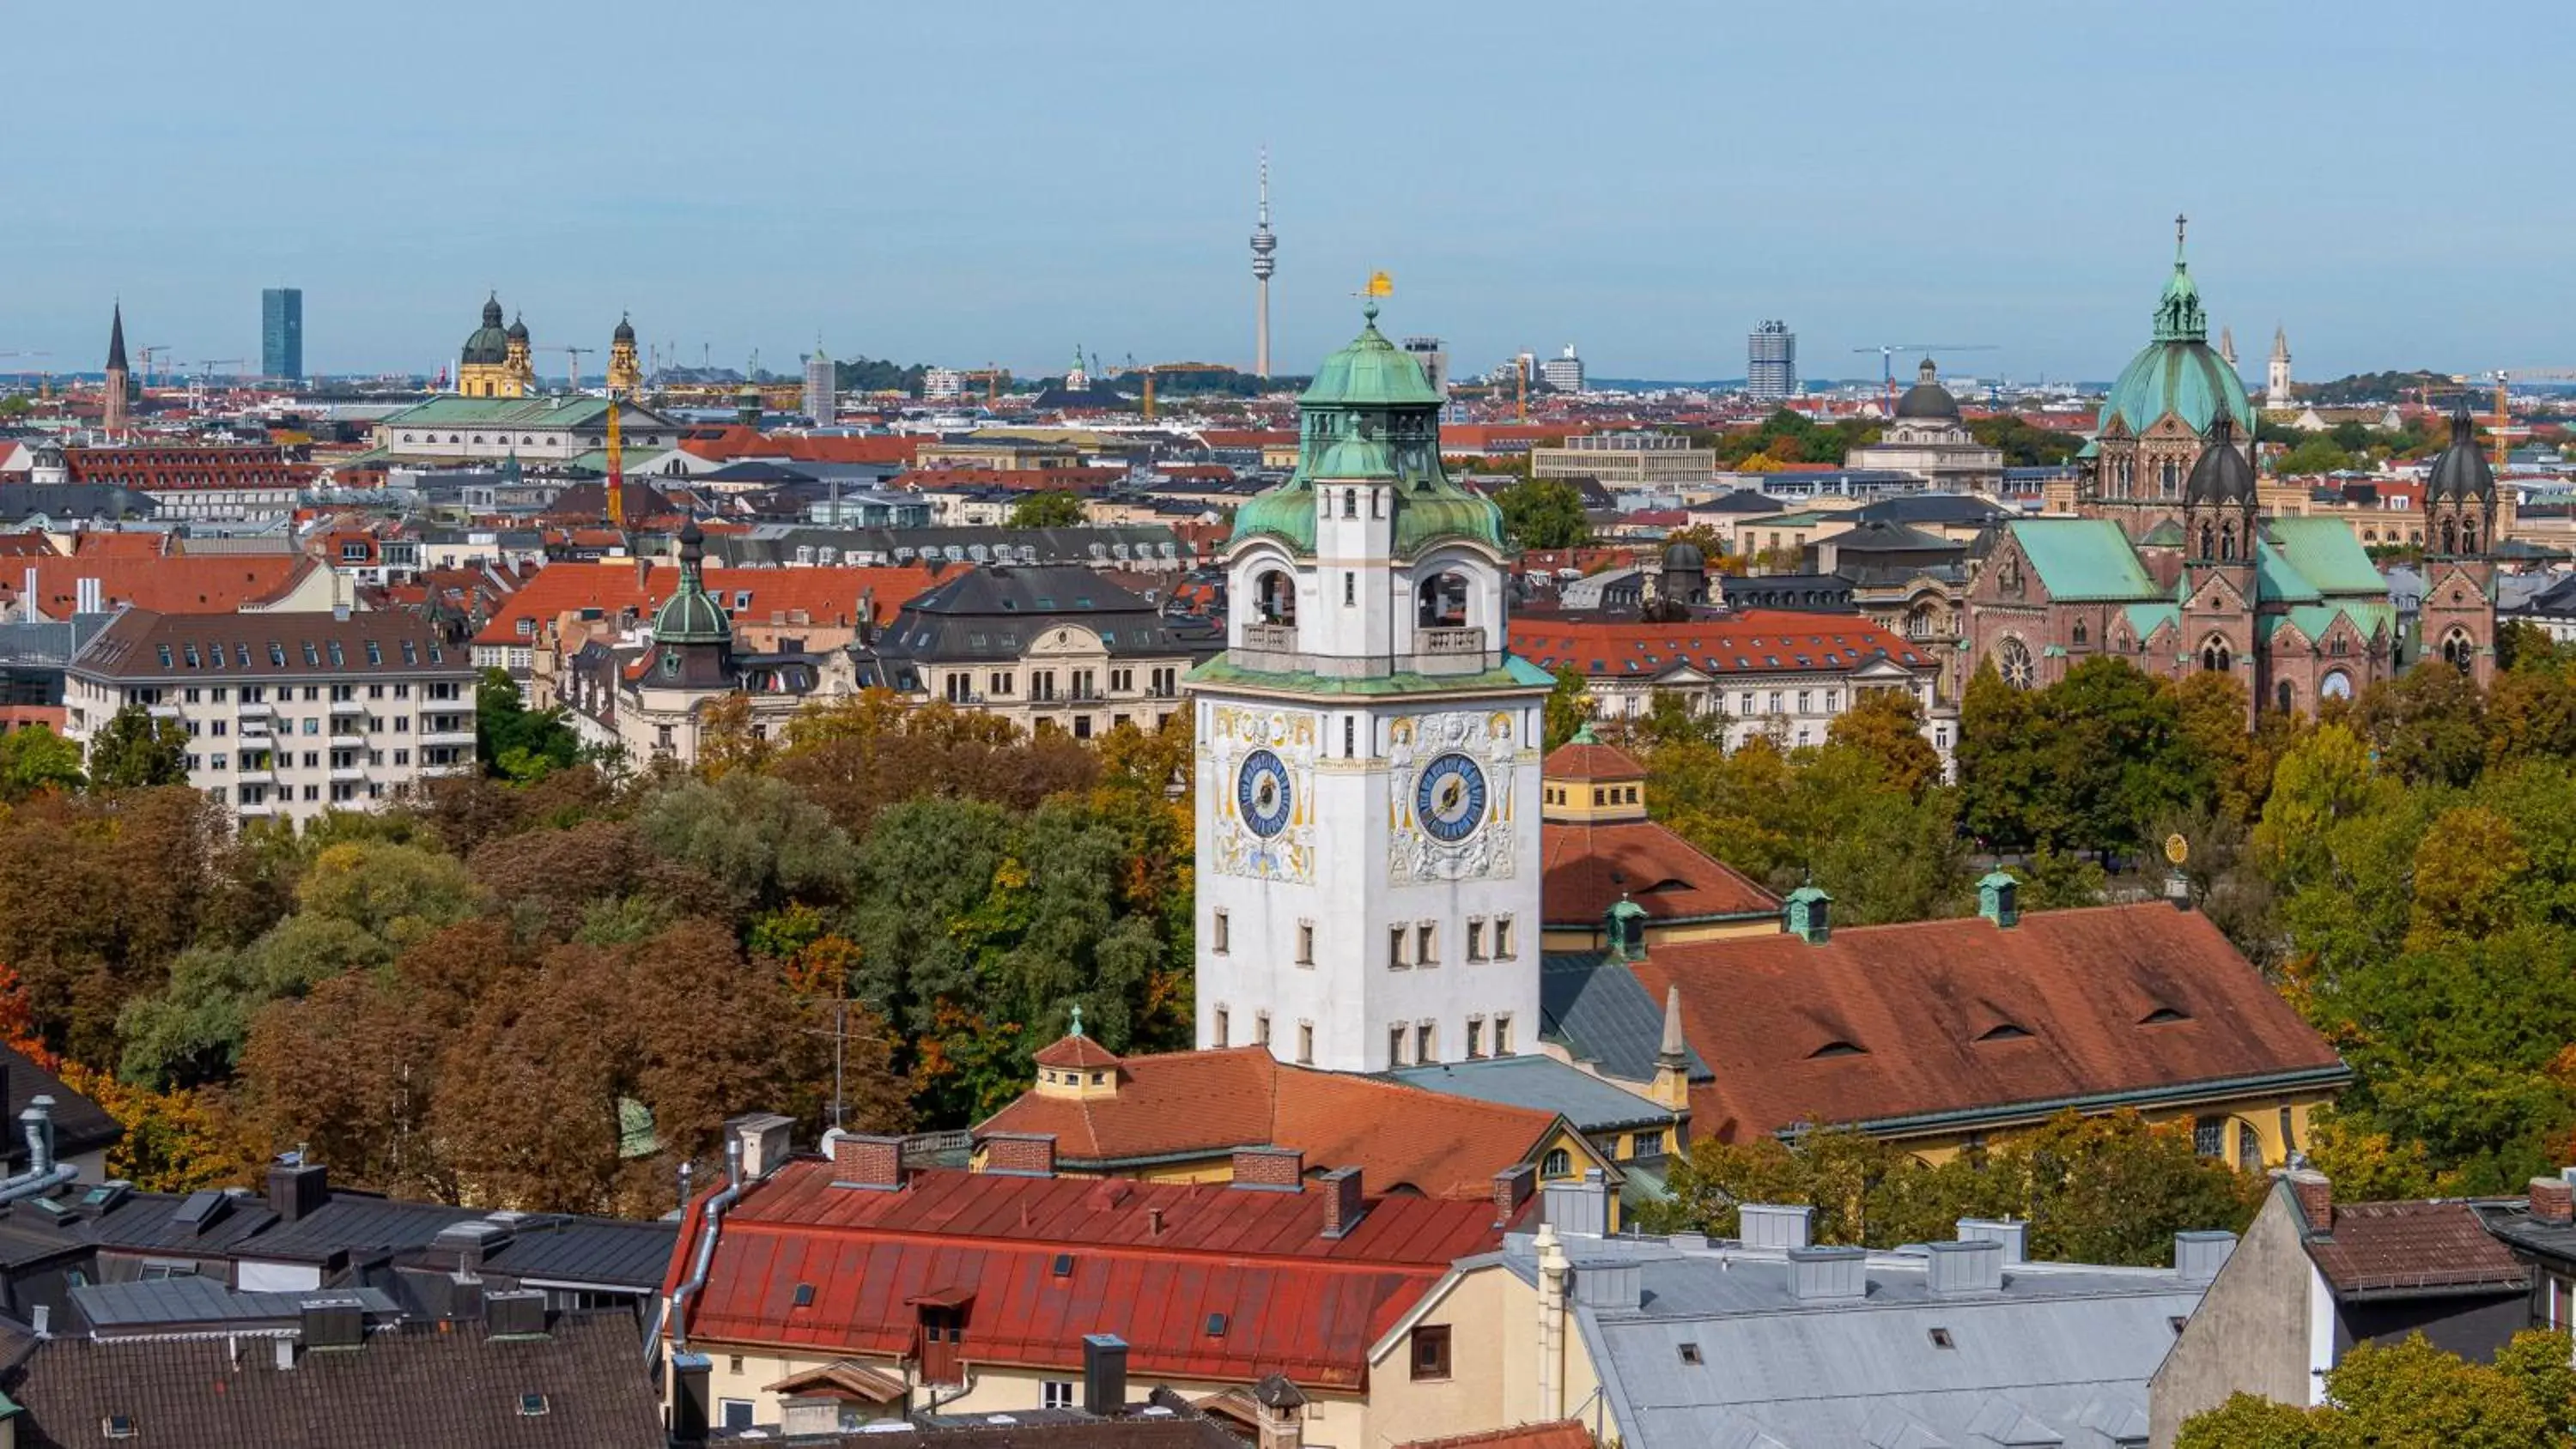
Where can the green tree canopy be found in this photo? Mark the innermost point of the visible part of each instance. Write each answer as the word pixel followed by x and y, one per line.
pixel 1052 509
pixel 1544 513
pixel 136 750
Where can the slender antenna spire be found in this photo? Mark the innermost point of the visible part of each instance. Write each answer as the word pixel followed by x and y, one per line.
pixel 1263 244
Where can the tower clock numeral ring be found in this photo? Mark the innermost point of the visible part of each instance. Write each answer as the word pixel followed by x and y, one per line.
pixel 1450 799
pixel 1264 794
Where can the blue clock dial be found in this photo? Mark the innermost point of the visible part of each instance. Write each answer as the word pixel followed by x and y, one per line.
pixel 1451 798
pixel 1263 793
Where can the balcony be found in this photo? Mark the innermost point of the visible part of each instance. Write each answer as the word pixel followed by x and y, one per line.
pixel 1270 638
pixel 348 774
pixel 162 711
pixel 348 706
pixel 260 708
pixel 446 737
pixel 1452 650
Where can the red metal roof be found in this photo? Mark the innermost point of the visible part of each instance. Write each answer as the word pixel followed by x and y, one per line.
pixel 1587 869
pixel 1150 1262
pixel 1756 641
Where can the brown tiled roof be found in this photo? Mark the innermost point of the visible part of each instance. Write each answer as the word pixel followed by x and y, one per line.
pixel 236 647
pixel 827 596
pixel 1960 1016
pixel 1206 1103
pixel 419 1385
pixel 1560 1434
pixel 2400 1247
pixel 1587 868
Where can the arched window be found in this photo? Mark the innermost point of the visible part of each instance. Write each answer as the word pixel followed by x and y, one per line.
pixel 1557 1163
pixel 2216 656
pixel 2450 536
pixel 2282 697
pixel 2459 649
pixel 2081 636
pixel 2468 536
pixel 1276 593
pixel 2166 481
pixel 2208 541
pixel 1441 602
pixel 2336 685
pixel 1350 503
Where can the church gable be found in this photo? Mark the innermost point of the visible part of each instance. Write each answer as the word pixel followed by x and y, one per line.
pixel 2216 592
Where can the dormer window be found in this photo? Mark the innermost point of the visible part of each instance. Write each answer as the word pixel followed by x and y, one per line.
pixel 2004 1031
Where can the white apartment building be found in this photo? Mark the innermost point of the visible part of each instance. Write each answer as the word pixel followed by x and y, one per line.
pixel 287 715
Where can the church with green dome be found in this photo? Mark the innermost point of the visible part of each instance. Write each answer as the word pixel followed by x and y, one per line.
pixel 2166 559
pixel 2157 418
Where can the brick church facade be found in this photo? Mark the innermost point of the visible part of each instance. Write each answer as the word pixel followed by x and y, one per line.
pixel 2167 560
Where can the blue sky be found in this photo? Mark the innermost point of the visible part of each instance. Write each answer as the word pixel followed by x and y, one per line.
pixel 1001 181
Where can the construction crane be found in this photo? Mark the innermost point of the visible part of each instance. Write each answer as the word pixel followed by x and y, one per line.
pixel 993 377
pixel 1887 352
pixel 155 350
pixel 572 361
pixel 616 494
pixel 2496 423
pixel 206 365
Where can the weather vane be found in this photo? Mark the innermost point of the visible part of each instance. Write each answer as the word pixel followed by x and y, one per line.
pixel 1379 285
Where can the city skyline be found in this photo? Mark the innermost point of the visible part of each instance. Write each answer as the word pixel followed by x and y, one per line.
pixel 1644 220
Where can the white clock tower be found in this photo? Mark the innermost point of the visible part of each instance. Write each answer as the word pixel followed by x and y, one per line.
pixel 1368 753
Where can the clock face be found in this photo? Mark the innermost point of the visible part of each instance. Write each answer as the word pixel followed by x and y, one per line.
pixel 1262 790
pixel 1451 798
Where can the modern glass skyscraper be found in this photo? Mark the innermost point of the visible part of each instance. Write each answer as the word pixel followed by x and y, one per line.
pixel 281 334
pixel 1771 362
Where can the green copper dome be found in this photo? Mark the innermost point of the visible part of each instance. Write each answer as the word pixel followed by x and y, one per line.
pixel 2178 372
pixel 1371 416
pixel 1370 373
pixel 691 615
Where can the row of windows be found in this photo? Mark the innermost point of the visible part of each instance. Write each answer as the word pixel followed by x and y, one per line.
pixel 252 760
pixel 1161 683
pixel 212 656
pixel 1423 936
pixel 1422 1038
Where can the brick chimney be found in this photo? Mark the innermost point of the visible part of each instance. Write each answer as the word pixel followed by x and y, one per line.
pixel 1512 1187
pixel 863 1160
pixel 1274 1169
pixel 2315 1193
pixel 1020 1154
pixel 2552 1200
pixel 1343 1206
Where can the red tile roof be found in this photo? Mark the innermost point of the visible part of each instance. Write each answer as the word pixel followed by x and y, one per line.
pixel 1150 1262
pixel 1561 1434
pixel 733 440
pixel 2396 1246
pixel 1587 869
pixel 1585 758
pixel 1075 1051
pixel 1208 1103
pixel 1016 480
pixel 165 466
pixel 828 596
pixel 1959 1016
pixel 180 584
pixel 1756 641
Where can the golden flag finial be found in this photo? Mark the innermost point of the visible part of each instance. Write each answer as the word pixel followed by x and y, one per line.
pixel 1379 285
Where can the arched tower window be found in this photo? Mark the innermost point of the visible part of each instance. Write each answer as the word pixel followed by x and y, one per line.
pixel 1350 503
pixel 1441 602
pixel 2165 480
pixel 2459 649
pixel 2216 657
pixel 2468 535
pixel 1276 593
pixel 2450 535
pixel 2081 636
pixel 2282 697
pixel 2227 543
pixel 2208 540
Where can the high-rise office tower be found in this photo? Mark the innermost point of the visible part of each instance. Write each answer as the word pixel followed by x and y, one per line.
pixel 1263 244
pixel 1563 373
pixel 281 334
pixel 1771 362
pixel 1433 360
pixel 819 393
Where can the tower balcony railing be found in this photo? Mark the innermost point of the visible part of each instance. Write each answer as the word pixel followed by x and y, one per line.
pixel 1270 638
pixel 1450 640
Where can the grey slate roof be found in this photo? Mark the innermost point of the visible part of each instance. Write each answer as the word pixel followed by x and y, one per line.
pixel 415 1387
pixel 586 1251
pixel 998 614
pixel 2060 1356
pixel 175 1304
pixel 1598 1010
pixel 80 1125
pixel 1543 1083
pixel 1914 509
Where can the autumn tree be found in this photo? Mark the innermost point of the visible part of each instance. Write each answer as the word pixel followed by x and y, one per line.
pixel 2426 726
pixel 34 759
pixel 1888 724
pixel 2410 1393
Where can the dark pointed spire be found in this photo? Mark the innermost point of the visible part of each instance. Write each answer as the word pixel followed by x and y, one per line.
pixel 116 341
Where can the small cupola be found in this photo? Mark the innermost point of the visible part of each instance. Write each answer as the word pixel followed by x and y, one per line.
pixel 1625 926
pixel 1585 782
pixel 1075 1066
pixel 1811 915
pixel 1999 899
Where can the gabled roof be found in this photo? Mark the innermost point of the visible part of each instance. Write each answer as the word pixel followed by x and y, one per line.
pixel 2406 1249
pixel 1915 1025
pixel 2327 555
pixel 2084 558
pixel 1540 1083
pixel 420 1386
pixel 828 596
pixel 1597 1010
pixel 176 584
pixel 1155 1263
pixel 1185 1105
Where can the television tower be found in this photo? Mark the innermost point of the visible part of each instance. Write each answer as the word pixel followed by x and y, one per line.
pixel 1263 244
